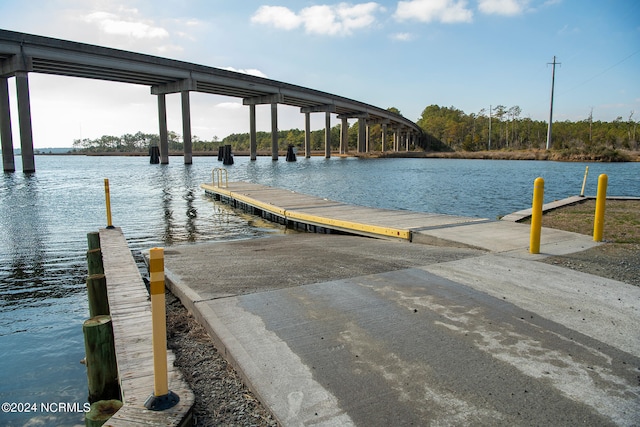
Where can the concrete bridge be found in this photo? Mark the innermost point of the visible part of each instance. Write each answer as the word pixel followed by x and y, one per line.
pixel 21 54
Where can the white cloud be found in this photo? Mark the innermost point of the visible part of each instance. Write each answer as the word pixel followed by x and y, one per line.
pixel 502 7
pixel 445 11
pixel 342 19
pixel 403 37
pixel 230 105
pixel 278 16
pixel 250 71
pixel 130 26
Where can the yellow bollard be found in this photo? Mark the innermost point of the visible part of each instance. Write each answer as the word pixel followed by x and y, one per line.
pixel 107 196
pixel 162 398
pixel 601 198
pixel 584 181
pixel 536 216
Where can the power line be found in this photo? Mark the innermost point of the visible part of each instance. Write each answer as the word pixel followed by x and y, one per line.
pixel 603 71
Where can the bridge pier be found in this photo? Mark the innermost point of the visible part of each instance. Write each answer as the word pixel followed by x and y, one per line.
pixel 362 135
pixel 327 135
pixel 344 136
pixel 186 128
pixel 274 131
pixel 24 121
pixel 164 134
pixel 8 162
pixel 253 140
pixel 384 136
pixel 307 135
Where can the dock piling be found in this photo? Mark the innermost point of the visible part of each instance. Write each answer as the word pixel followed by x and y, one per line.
pixel 102 370
pixel 107 196
pixel 584 181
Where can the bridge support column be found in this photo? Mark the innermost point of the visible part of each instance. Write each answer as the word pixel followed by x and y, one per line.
pixel 327 135
pixel 344 136
pixel 307 135
pixel 395 139
pixel 24 119
pixel 8 162
pixel 362 135
pixel 164 134
pixel 384 136
pixel 186 128
pixel 253 140
pixel 274 131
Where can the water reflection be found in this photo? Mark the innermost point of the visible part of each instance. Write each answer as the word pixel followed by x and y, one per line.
pixel 23 273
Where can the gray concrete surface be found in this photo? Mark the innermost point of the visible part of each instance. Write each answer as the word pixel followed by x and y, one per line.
pixel 343 330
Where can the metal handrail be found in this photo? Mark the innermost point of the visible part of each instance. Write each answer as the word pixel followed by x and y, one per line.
pixel 219 172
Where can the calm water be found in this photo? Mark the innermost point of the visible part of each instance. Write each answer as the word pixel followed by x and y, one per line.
pixel 44 219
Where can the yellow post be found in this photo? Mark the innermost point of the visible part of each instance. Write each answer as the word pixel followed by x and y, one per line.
pixel 536 216
pixel 584 181
pixel 161 398
pixel 107 196
pixel 601 198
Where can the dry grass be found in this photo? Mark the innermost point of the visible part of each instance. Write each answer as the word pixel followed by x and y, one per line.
pixel 621 220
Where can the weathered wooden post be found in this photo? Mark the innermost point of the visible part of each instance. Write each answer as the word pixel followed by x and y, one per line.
pixel 101 411
pixel 97 295
pixel 94 261
pixel 102 370
pixel 107 196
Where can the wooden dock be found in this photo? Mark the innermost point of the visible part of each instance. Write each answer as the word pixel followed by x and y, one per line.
pixel 131 318
pixel 315 214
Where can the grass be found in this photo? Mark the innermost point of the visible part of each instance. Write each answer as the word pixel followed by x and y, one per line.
pixel 621 220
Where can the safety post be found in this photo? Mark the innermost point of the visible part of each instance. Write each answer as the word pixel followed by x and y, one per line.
pixel 162 398
pixel 584 181
pixel 107 196
pixel 536 216
pixel 601 198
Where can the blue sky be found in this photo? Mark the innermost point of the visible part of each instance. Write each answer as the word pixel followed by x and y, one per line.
pixel 409 54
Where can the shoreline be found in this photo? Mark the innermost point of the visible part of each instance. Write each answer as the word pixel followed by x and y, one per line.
pixel 621 156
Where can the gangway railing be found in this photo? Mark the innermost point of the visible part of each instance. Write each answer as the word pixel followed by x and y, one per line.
pixel 219 172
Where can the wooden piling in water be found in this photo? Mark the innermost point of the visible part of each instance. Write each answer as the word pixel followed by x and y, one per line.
pixel 101 411
pixel 102 369
pixel 94 261
pixel 97 295
pixel 93 240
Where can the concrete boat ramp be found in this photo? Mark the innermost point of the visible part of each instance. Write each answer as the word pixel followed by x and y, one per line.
pixel 340 330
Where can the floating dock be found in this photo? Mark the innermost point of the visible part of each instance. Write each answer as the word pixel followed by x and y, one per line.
pixel 315 214
pixel 132 331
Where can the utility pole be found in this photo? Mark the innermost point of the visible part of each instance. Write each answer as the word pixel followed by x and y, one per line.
pixel 553 78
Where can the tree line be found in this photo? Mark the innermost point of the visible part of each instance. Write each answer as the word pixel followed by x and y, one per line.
pixel 445 129
pixel 504 128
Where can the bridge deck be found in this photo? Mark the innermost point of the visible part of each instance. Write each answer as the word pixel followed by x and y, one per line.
pixel 317 214
pixel 131 318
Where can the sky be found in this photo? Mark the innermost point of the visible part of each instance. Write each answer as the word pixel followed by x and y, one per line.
pixel 469 54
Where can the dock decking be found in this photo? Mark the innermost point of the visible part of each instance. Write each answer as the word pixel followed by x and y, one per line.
pixel 131 318
pixel 311 213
